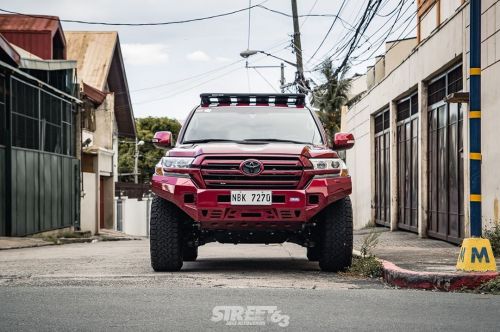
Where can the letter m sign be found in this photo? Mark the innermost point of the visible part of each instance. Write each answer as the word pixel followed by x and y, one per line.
pixel 479 255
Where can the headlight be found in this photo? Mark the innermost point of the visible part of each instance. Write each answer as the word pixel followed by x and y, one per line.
pixel 172 163
pixel 176 162
pixel 330 164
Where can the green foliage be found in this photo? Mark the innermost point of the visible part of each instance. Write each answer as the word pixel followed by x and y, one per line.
pixel 490 287
pixel 149 155
pixel 493 235
pixel 330 96
pixel 366 266
pixel 369 243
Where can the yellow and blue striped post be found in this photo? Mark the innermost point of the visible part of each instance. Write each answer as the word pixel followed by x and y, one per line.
pixel 475 118
pixel 476 254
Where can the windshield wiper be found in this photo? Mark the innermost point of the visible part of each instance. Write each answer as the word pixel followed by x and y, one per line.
pixel 208 140
pixel 274 140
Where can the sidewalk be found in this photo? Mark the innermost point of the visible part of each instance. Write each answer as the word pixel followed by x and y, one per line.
pixel 412 262
pixel 31 242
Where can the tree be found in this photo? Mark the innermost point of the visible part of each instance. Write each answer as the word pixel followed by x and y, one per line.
pixel 330 96
pixel 149 155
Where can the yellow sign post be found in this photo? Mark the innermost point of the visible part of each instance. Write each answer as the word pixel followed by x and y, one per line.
pixel 476 256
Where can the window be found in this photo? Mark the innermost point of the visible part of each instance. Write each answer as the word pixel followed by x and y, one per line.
pixel 382 162
pixel 407 163
pixel 25 115
pixel 253 123
pixel 41 120
pixel 445 147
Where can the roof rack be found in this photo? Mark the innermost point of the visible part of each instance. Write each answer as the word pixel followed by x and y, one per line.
pixel 252 99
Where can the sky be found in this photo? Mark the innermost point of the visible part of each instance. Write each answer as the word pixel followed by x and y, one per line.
pixel 168 67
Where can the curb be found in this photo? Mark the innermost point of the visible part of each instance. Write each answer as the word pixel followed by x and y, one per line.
pixel 396 276
pixel 448 282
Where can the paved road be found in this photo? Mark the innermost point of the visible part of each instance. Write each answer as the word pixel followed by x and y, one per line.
pixel 110 286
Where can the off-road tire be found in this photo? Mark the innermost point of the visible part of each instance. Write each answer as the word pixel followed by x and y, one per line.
pixel 336 236
pixel 189 254
pixel 313 254
pixel 165 236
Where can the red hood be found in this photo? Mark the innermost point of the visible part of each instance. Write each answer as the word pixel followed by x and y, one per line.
pixel 251 149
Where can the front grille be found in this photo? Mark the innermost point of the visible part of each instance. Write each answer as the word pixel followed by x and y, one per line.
pixel 224 173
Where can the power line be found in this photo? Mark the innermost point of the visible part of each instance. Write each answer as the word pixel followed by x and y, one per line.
pixel 265 79
pixel 308 13
pixel 137 24
pixel 329 30
pixel 201 74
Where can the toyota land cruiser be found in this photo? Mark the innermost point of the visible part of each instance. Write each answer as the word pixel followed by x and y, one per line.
pixel 251 168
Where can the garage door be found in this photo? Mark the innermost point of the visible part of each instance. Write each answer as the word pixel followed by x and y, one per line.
pixel 446 180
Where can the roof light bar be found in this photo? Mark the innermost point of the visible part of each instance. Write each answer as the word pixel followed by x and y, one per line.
pixel 259 99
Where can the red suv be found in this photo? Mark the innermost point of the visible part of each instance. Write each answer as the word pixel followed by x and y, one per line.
pixel 251 168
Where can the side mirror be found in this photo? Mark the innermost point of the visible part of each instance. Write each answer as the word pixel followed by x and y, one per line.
pixel 162 139
pixel 343 141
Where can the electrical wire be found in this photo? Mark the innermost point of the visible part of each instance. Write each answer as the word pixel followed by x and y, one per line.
pixel 265 79
pixel 329 30
pixel 137 24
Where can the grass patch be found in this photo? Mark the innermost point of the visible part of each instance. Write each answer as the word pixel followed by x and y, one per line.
pixel 366 266
pixel 54 238
pixel 490 287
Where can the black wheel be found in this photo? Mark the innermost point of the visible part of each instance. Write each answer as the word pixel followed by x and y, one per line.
pixel 190 254
pixel 165 236
pixel 336 236
pixel 313 254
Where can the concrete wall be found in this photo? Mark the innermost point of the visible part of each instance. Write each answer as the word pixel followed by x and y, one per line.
pixel 443 47
pixel 135 215
pixel 397 51
pixel 88 218
pixel 105 118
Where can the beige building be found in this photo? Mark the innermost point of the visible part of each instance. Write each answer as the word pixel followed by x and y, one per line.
pixel 106 115
pixel 411 157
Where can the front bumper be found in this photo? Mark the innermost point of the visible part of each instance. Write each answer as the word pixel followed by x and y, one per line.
pixel 213 210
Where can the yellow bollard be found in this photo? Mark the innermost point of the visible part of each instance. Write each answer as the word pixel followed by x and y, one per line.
pixel 476 256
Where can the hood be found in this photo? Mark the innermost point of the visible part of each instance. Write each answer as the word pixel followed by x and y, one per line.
pixel 194 150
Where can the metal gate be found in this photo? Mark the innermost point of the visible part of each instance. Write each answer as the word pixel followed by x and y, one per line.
pixel 40 187
pixel 407 138
pixel 382 176
pixel 446 180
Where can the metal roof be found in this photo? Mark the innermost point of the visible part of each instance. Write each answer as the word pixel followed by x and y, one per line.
pixel 100 65
pixel 94 53
pixel 28 23
pixel 9 53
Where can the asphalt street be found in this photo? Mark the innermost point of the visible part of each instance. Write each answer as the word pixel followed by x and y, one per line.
pixel 110 286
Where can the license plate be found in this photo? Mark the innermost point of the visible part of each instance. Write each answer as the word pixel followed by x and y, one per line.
pixel 251 197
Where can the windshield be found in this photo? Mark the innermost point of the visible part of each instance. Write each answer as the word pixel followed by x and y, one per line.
pixel 247 123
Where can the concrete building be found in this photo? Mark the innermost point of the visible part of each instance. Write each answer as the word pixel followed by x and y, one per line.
pixel 106 116
pixel 411 157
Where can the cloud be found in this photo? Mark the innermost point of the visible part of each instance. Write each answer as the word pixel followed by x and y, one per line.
pixel 145 54
pixel 198 56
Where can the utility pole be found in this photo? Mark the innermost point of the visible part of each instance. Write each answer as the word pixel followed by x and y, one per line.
pixel 136 161
pixel 282 80
pixel 476 253
pixel 298 48
pixel 475 119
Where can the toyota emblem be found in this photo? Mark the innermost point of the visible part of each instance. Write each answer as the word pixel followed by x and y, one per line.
pixel 251 167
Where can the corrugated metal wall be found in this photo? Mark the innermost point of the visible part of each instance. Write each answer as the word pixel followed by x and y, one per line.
pixel 2 191
pixel 45 191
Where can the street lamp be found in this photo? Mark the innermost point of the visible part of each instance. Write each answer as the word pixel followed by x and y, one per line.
pixel 301 83
pixel 247 53
pixel 136 159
